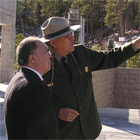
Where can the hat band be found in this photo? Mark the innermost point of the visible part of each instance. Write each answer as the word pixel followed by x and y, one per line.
pixel 57 33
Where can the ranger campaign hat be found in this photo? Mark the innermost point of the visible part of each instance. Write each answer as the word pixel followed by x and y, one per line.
pixel 56 27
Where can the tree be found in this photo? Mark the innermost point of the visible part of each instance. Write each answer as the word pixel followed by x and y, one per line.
pixel 34 19
pixel 133 62
pixel 92 11
pixel 28 17
pixel 21 10
pixel 116 13
pixel 137 18
pixel 98 19
pixel 54 8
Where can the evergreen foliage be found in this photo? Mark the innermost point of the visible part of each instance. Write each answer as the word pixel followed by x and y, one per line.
pixel 121 15
pixel 133 62
pixel 97 14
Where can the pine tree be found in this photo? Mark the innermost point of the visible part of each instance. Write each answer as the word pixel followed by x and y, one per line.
pixel 137 18
pixel 54 8
pixel 21 12
pixel 28 17
pixel 116 13
pixel 92 11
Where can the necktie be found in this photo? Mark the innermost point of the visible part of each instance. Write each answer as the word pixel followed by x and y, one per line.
pixel 44 82
pixel 65 65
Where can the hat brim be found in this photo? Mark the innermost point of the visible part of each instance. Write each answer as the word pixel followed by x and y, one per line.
pixel 72 28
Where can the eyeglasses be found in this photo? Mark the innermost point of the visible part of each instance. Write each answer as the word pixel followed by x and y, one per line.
pixel 69 35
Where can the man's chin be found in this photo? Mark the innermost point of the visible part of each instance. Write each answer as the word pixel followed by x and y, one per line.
pixel 72 49
pixel 48 69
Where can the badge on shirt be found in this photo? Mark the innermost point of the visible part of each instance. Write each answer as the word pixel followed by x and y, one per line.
pixel 86 69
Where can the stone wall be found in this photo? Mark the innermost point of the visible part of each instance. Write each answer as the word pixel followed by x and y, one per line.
pixel 7 20
pixel 7 12
pixel 103 85
pixel 117 88
pixel 127 88
pixel 7 53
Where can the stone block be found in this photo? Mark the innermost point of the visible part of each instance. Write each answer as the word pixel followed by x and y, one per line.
pixel 5 19
pixel 4 4
pixel 74 15
pixel 13 14
pixel 74 22
pixel 7 12
pixel 12 6
pixel 13 21
pixel 1 10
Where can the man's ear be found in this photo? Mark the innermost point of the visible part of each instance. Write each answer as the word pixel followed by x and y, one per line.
pixel 52 42
pixel 32 58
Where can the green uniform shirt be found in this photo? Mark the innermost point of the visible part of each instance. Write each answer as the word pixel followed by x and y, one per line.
pixel 76 92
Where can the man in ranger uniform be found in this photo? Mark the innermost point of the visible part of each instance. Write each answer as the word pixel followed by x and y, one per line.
pixel 70 78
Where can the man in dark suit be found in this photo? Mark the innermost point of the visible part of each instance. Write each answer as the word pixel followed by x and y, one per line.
pixel 28 108
pixel 72 90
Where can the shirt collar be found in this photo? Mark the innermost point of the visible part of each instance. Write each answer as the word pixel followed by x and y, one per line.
pixel 40 76
pixel 58 58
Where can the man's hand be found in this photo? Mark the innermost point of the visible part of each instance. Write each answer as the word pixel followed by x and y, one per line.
pixel 67 114
pixel 136 43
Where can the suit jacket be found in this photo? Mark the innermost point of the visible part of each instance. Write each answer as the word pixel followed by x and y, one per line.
pixel 76 92
pixel 28 108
